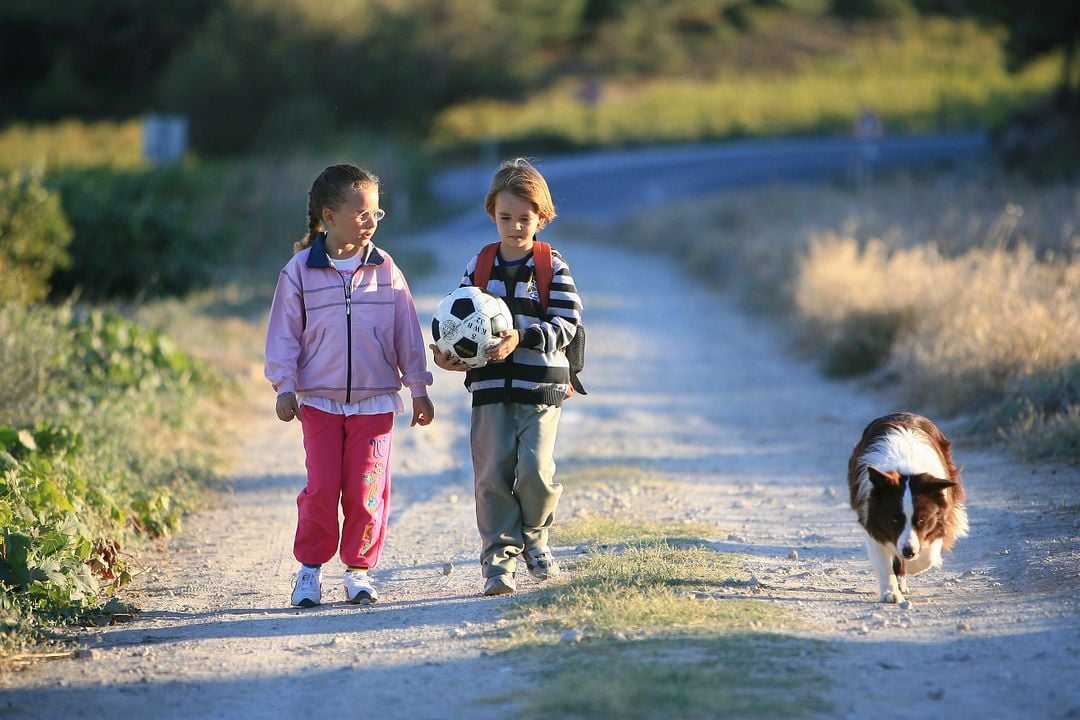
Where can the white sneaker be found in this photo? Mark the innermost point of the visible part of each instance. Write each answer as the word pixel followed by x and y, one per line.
pixel 358 588
pixel 307 592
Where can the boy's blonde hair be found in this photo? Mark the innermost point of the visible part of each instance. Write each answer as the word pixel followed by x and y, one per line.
pixel 519 177
pixel 328 191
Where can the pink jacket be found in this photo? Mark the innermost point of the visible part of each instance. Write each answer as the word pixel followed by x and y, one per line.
pixel 346 346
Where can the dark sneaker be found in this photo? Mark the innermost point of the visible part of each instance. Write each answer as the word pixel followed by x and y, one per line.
pixel 500 584
pixel 358 588
pixel 541 563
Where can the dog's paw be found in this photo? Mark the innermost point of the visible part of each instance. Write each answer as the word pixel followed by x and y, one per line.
pixel 892 597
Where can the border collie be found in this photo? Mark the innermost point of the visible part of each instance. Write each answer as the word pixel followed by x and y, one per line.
pixel 907 493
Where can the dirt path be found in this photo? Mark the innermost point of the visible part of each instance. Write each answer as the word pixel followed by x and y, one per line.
pixel 685 387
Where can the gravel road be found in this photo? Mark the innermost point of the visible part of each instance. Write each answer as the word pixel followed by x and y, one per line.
pixel 756 444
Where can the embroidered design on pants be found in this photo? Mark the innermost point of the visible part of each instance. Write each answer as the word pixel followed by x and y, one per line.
pixel 371 501
pixel 368 540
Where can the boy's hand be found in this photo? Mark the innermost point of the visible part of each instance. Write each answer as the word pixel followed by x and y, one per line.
pixel 447 360
pixel 423 411
pixel 510 340
pixel 287 407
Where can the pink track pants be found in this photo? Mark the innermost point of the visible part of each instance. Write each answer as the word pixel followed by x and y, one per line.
pixel 348 461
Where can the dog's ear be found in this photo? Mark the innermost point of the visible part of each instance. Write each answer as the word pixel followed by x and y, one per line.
pixel 881 480
pixel 927 483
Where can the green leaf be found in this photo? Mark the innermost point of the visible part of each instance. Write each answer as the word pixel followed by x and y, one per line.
pixel 83 549
pixel 48 498
pixel 16 551
pixel 68 526
pixel 52 542
pixel 115 605
pixel 55 576
pixel 83 581
pixel 8 437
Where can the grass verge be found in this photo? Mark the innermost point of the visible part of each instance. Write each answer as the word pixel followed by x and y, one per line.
pixel 614 531
pixel 85 478
pixel 919 74
pixel 961 289
pixel 733 675
pixel 644 629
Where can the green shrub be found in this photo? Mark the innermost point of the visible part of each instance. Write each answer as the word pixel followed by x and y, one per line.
pixel 135 232
pixel 120 356
pixel 83 471
pixel 47 542
pixel 29 373
pixel 34 236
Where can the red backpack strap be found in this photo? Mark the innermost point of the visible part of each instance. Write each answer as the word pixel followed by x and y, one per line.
pixel 485 263
pixel 544 270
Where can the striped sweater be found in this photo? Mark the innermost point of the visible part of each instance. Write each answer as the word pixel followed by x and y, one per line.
pixel 537 372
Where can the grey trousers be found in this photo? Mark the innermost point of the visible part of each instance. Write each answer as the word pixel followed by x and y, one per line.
pixel 514 480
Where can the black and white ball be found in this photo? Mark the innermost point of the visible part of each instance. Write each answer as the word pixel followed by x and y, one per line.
pixel 467 322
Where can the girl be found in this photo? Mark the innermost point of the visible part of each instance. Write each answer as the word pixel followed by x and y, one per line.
pixel 343 338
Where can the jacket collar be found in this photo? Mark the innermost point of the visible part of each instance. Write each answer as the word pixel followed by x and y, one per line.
pixel 318 257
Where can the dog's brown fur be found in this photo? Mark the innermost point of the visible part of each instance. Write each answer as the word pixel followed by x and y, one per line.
pixel 899 455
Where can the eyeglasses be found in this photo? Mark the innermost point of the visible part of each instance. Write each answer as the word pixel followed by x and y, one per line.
pixel 368 215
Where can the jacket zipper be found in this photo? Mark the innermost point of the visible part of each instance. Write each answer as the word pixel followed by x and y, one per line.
pixel 348 336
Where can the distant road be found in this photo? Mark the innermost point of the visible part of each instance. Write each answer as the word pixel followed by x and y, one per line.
pixel 602 186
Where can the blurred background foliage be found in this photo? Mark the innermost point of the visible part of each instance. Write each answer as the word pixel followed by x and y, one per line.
pixel 272 88
pixel 254 75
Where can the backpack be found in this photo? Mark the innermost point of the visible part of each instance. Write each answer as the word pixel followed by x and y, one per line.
pixel 544 269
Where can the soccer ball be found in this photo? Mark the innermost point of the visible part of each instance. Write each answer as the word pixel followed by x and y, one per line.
pixel 467 323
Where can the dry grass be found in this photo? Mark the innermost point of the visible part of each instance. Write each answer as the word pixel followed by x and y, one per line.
pixel 606 530
pixel 964 288
pixel 645 630
pixel 72 143
pixel 641 590
pixel 739 675
pixel 921 75
pixel 976 323
pixel 969 330
pixel 1003 316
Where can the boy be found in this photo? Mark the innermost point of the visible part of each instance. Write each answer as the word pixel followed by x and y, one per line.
pixel 517 396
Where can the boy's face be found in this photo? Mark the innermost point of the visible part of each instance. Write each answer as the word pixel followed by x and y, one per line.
pixel 517 221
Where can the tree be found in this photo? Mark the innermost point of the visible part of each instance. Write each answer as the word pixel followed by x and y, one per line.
pixel 91 58
pixel 1036 28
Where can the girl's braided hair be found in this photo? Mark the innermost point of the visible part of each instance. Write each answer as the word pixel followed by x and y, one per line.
pixel 328 191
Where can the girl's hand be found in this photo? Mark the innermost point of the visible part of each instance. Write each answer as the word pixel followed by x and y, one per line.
pixel 423 411
pixel 510 340
pixel 287 407
pixel 447 360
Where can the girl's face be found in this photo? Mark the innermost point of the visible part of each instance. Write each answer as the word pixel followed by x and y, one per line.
pixel 517 221
pixel 353 223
